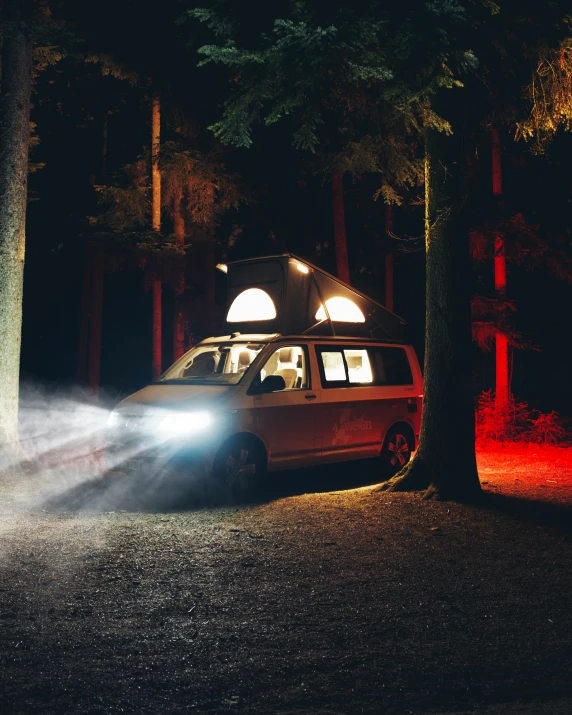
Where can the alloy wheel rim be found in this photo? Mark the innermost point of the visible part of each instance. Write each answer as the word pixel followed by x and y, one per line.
pixel 237 468
pixel 399 449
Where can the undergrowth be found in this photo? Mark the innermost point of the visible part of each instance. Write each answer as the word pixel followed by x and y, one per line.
pixel 519 423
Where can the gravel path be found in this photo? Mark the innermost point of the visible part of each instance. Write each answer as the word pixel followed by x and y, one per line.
pixel 338 602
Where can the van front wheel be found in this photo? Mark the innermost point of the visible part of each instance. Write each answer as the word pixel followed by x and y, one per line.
pixel 239 467
pixel 396 451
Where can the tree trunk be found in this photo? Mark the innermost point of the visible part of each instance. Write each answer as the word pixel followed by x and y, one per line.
pixel 340 241
pixel 83 335
pixel 96 317
pixel 156 222
pixel 179 317
pixel 157 290
pixel 388 259
pixel 210 288
pixel 104 145
pixel 445 462
pixel 501 340
pixel 14 141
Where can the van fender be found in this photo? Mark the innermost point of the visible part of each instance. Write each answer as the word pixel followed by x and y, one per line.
pixel 405 425
pixel 253 438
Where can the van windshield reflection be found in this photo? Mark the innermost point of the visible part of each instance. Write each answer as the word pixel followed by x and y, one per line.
pixel 213 364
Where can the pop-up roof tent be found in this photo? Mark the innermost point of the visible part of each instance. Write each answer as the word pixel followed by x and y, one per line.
pixel 286 294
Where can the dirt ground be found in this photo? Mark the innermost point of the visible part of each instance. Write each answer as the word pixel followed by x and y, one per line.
pixel 325 597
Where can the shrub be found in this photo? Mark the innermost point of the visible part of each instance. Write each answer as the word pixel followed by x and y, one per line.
pixel 519 423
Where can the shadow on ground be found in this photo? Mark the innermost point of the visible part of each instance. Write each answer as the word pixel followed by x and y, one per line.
pixel 175 493
pixel 151 492
pixel 543 514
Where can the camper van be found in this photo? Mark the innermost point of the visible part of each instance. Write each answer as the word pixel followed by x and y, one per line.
pixel 246 403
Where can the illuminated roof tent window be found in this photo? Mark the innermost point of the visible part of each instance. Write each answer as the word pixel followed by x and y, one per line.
pixel 251 304
pixel 342 310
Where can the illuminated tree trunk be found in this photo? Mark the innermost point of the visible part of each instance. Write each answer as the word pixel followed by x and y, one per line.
pixel 14 141
pixel 445 462
pixel 179 318
pixel 340 241
pixel 388 260
pixel 156 222
pixel 501 340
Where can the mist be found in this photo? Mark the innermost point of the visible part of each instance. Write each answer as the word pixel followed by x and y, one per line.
pixel 61 464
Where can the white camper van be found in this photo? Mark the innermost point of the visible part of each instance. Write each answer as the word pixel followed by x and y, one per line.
pixel 244 404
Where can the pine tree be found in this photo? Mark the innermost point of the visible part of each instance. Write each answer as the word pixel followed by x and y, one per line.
pixel 196 190
pixel 510 47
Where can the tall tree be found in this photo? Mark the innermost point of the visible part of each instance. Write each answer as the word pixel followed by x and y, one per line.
pixel 388 287
pixel 398 57
pixel 179 316
pixel 501 339
pixel 445 462
pixel 156 224
pixel 14 143
pixel 196 190
pixel 339 219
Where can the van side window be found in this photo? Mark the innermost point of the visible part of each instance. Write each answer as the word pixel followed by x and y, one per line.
pixel 353 366
pixel 345 367
pixel 333 365
pixel 290 363
pixel 359 367
pixel 391 366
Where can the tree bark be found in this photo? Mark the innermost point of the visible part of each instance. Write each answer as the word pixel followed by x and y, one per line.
pixel 14 142
pixel 388 259
pixel 502 390
pixel 445 462
pixel 179 317
pixel 340 240
pixel 156 223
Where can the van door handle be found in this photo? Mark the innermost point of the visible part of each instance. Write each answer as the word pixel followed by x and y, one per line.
pixel 310 397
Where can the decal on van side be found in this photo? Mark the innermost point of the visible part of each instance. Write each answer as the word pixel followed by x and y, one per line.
pixel 347 424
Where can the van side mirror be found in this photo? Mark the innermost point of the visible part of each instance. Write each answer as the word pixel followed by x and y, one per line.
pixel 272 383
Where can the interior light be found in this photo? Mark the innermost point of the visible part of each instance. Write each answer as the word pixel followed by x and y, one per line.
pixel 302 268
pixel 341 309
pixel 251 304
pixel 222 267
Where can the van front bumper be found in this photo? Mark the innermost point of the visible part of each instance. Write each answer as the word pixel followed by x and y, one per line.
pixel 143 454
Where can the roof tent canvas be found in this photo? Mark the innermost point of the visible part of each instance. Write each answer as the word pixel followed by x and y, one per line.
pixel 286 294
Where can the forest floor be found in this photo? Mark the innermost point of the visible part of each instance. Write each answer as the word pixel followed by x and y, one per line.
pixel 325 597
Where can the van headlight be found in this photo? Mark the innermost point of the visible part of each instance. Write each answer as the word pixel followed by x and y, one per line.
pixel 185 423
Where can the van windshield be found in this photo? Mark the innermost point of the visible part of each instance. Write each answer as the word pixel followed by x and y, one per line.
pixel 213 364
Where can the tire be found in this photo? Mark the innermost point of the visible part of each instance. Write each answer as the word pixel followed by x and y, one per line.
pixel 397 449
pixel 239 468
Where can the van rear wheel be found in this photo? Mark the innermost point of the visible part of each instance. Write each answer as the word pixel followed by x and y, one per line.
pixel 239 468
pixel 396 451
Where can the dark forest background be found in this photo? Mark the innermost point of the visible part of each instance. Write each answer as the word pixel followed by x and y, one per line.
pixel 288 209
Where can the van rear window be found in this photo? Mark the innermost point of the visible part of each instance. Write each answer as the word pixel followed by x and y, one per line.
pixel 391 366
